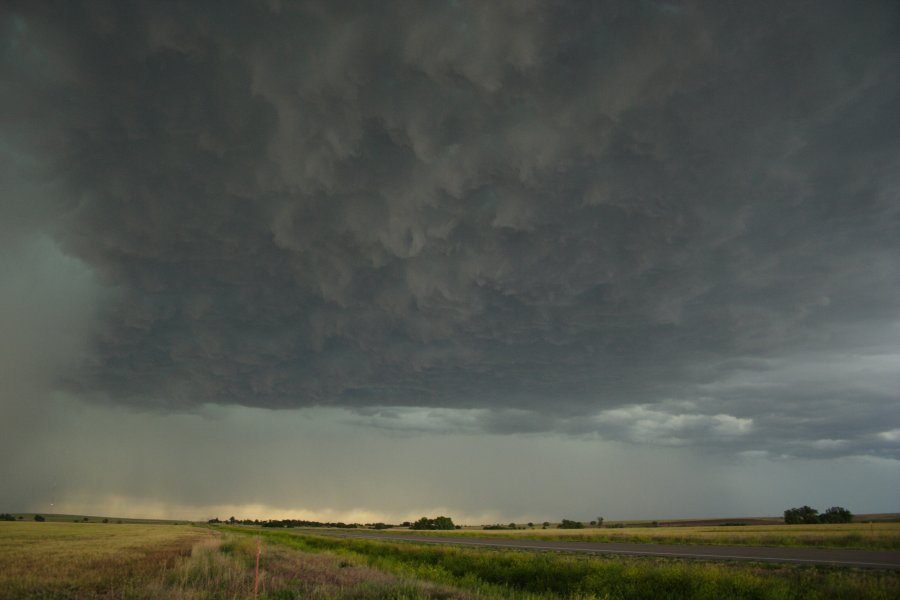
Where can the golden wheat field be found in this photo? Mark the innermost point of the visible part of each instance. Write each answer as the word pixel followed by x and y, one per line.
pixel 102 560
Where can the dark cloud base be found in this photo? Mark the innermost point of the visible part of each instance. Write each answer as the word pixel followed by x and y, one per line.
pixel 557 208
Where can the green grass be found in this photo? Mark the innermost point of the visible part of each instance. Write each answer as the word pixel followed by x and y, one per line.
pixel 513 573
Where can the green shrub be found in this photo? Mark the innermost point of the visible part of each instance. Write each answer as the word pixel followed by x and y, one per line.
pixel 567 524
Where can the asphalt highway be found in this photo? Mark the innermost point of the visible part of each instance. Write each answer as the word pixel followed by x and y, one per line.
pixel 873 559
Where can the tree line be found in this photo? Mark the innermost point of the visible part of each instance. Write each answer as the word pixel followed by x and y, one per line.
pixel 806 515
pixel 438 523
pixel 283 523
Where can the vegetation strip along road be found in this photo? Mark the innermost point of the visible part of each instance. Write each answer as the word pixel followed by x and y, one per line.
pixel 879 559
pixel 495 572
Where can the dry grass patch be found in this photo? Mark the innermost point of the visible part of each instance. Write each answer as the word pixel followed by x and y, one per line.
pixel 84 560
pixel 223 567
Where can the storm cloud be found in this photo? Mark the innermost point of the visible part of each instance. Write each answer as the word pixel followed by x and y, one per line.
pixel 671 223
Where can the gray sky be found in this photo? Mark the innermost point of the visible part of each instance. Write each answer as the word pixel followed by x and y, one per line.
pixel 512 260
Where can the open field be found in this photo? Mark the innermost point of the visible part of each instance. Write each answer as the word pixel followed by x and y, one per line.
pixel 143 562
pixel 507 573
pixel 66 560
pixel 146 562
pixel 883 536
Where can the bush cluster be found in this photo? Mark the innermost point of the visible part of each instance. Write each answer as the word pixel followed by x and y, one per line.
pixel 567 524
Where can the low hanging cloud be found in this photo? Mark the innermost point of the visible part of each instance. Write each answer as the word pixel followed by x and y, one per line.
pixel 541 212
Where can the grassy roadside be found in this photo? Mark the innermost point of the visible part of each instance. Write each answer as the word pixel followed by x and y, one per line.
pixel 512 573
pixel 94 561
pixel 873 536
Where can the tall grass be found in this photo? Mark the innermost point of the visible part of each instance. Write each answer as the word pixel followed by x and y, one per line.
pixel 492 571
pixel 224 568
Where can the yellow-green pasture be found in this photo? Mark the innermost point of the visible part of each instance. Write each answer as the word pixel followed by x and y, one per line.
pixel 87 560
pixel 849 535
pixel 93 561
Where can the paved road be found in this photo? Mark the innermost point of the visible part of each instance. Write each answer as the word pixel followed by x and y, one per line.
pixel 878 559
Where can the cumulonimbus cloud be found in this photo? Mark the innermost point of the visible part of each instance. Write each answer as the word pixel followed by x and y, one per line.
pixel 562 209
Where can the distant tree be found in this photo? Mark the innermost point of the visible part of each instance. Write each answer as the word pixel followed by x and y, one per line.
pixel 804 515
pixel 599 521
pixel 546 523
pixel 512 525
pixel 39 518
pixel 441 523
pixel 567 524
pixel 836 514
pixel 21 517
pixel 106 520
pixel 593 523
pixel 232 520
pixel 214 520
pixel 6 517
pixel 530 524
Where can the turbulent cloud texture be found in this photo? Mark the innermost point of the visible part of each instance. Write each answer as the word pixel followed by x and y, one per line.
pixel 674 223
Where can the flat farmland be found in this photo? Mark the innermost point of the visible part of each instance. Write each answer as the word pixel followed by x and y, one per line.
pixel 874 536
pixel 85 560
pixel 141 562
pixel 93 561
